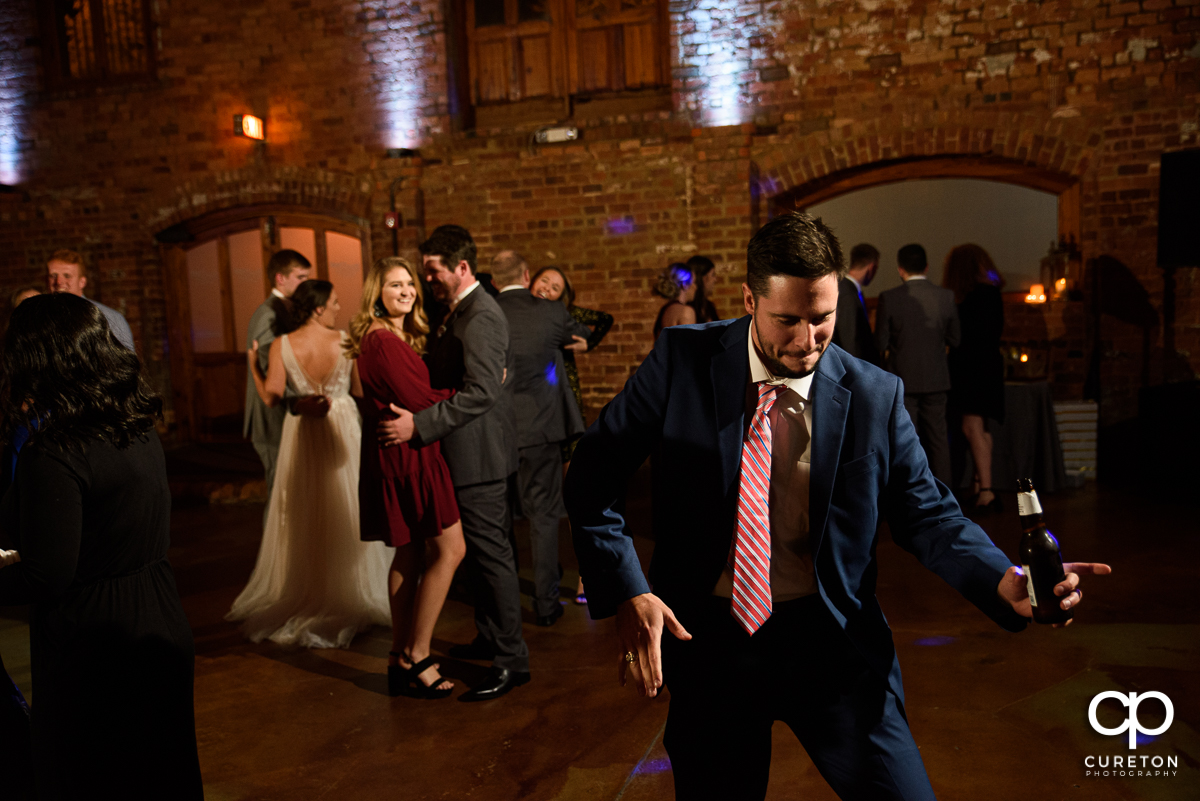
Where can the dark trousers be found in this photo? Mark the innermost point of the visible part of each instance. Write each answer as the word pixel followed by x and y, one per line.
pixel 928 413
pixel 491 566
pixel 728 688
pixel 539 484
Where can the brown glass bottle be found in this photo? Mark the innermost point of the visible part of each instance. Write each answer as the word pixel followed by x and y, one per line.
pixel 1040 558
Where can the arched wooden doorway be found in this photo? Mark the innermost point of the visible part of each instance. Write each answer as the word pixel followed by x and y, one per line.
pixel 991 168
pixel 215 279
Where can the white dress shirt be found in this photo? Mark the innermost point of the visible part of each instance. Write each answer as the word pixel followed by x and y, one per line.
pixel 462 294
pixel 791 456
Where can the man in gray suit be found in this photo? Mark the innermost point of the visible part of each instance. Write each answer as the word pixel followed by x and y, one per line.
pixel 852 333
pixel 263 424
pixel 546 416
pixel 66 272
pixel 914 325
pixel 470 353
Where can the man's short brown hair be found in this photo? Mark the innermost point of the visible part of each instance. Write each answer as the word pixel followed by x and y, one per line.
pixel 863 254
pixel 69 257
pixel 507 268
pixel 283 262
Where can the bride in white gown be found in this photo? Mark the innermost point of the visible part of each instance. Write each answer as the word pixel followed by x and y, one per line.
pixel 316 584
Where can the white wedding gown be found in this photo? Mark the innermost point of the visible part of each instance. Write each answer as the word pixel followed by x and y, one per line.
pixel 316 584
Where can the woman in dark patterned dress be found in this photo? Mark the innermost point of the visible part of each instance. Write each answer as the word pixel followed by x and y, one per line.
pixel 551 283
pixel 406 497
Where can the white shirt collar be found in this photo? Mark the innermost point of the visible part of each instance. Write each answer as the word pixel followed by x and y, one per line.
pixel 278 294
pixel 921 277
pixel 854 281
pixel 759 372
pixel 464 292
pixel 511 287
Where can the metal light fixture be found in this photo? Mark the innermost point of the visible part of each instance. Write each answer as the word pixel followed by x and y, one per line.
pixel 249 126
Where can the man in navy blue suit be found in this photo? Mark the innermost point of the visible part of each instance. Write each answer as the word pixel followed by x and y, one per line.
pixel 776 455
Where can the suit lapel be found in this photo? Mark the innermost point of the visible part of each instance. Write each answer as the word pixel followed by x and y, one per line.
pixel 830 409
pixel 457 312
pixel 729 373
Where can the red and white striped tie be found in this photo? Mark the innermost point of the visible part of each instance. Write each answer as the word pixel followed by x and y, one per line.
pixel 750 554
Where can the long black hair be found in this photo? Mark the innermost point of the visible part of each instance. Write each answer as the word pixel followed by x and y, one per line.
pixel 68 378
pixel 308 297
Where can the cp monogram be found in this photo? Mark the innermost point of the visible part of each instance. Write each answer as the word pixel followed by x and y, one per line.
pixel 1132 723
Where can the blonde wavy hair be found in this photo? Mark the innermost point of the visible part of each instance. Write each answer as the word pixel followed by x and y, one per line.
pixel 415 326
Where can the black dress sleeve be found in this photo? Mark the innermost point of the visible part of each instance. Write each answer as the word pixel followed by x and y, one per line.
pixel 44 518
pixel 598 321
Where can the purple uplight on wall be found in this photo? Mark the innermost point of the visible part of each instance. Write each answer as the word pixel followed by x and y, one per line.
pixel 620 225
pixel 653 766
pixel 935 641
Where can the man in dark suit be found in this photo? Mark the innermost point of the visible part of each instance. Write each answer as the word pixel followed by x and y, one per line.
pixel 915 324
pixel 853 330
pixel 776 456
pixel 470 353
pixel 263 424
pixel 546 415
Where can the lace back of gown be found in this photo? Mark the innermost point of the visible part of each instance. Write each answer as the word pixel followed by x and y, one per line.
pixel 316 584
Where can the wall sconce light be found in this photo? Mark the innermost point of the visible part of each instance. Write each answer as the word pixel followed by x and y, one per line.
pixel 1024 357
pixel 249 126
pixel 1060 285
pixel 1037 294
pixel 391 220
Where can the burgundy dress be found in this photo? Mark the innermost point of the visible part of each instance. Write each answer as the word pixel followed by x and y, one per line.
pixel 403 492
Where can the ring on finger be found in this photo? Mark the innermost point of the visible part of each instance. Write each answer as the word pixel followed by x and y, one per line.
pixel 630 657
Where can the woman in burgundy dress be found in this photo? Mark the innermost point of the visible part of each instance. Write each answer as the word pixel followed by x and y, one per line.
pixel 406 498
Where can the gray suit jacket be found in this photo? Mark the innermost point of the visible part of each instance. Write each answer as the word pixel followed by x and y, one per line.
pixel 913 325
pixel 543 404
pixel 262 424
pixel 116 323
pixel 476 428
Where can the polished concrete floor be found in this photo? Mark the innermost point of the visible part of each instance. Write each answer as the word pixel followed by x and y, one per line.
pixel 997 716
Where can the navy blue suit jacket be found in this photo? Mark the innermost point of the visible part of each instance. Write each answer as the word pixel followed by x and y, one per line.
pixel 687 403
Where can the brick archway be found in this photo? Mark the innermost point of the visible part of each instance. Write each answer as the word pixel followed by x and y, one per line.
pixel 315 191
pixel 1040 153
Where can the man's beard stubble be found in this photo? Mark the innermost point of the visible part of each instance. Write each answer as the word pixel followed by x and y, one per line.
pixel 777 367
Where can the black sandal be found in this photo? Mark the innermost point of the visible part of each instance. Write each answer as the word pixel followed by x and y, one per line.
pixel 428 691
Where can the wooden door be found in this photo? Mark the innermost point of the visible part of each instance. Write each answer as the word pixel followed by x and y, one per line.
pixel 215 283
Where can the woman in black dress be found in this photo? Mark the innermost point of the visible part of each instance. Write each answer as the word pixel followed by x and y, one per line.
pixel 976 365
pixel 89 513
pixel 706 279
pixel 677 284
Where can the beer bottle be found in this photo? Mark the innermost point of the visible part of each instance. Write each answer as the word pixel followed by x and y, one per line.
pixel 1040 558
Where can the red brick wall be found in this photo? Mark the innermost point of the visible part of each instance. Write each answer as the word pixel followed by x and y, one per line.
pixel 785 91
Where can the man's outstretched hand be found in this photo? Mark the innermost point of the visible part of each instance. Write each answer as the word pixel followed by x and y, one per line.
pixel 1014 590
pixel 640 622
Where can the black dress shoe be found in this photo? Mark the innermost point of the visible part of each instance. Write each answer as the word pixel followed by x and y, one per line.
pixel 552 618
pixel 498 682
pixel 476 649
